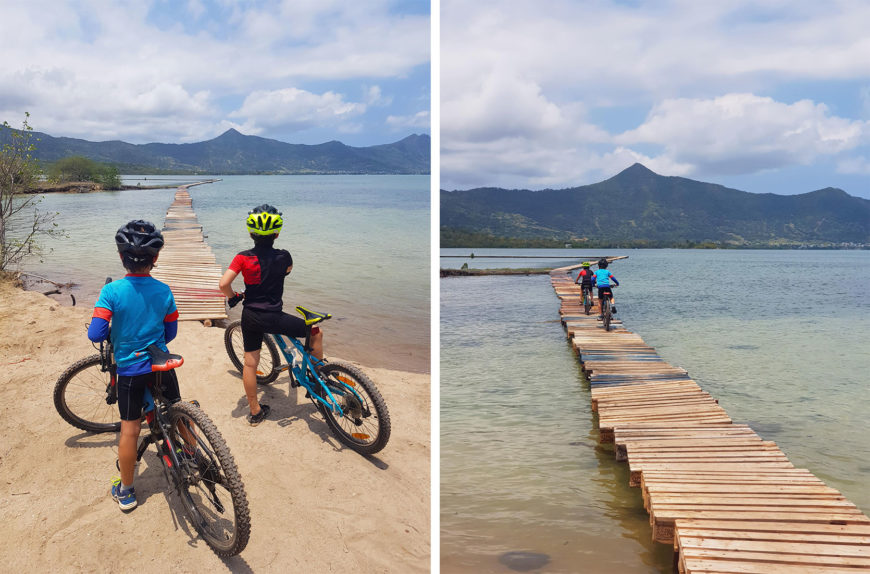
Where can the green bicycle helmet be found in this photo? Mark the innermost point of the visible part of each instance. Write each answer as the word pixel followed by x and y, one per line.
pixel 264 220
pixel 586 265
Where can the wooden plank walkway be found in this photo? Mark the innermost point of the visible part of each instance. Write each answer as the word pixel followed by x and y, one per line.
pixel 187 264
pixel 729 501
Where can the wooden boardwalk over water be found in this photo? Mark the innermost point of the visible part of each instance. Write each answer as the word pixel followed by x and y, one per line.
pixel 729 501
pixel 187 264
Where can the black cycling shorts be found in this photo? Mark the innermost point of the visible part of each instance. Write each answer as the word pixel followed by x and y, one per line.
pixel 604 291
pixel 131 392
pixel 255 324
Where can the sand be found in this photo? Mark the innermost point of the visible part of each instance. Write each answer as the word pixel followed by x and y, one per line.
pixel 315 506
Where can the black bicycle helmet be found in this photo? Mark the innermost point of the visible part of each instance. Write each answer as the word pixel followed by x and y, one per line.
pixel 602 263
pixel 139 241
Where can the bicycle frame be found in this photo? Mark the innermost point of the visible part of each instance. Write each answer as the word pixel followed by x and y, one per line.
pixel 154 410
pixel 301 368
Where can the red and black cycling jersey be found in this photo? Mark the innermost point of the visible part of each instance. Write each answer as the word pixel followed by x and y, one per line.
pixel 585 276
pixel 263 269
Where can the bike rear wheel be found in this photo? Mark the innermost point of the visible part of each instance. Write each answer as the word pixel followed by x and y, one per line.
pixel 209 483
pixel 80 397
pixel 365 426
pixel 587 300
pixel 267 369
pixel 605 309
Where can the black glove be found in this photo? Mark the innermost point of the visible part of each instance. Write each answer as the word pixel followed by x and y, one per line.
pixel 234 300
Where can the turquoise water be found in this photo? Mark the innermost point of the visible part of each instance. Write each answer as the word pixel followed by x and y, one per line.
pixel 779 337
pixel 360 247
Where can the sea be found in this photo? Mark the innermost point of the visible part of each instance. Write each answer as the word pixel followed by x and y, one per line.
pixel 360 247
pixel 779 337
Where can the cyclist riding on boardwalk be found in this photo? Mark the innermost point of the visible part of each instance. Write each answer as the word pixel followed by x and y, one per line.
pixel 263 269
pixel 602 281
pixel 142 312
pixel 585 276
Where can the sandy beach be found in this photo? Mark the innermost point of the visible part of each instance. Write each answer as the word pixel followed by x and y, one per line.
pixel 315 506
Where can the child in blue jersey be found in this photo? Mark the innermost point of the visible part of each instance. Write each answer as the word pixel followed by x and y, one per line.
pixel 142 312
pixel 602 281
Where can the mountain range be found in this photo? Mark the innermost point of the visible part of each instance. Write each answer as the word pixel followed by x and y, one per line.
pixel 640 208
pixel 236 153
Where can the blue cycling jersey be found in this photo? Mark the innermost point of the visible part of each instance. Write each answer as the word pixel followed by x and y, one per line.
pixel 141 310
pixel 602 278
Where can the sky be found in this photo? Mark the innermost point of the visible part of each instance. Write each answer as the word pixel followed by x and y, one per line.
pixel 181 71
pixel 766 96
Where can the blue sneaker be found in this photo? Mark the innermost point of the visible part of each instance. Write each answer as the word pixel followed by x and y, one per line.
pixel 126 499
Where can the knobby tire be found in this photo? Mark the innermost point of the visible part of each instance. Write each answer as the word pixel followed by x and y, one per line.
pixel 607 313
pixel 80 397
pixel 267 370
pixel 211 486
pixel 365 427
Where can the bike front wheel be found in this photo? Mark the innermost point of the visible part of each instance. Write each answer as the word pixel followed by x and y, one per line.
pixel 82 397
pixel 210 486
pixel 267 369
pixel 365 425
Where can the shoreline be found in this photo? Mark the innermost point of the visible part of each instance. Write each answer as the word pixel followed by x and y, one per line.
pixel 93 187
pixel 87 187
pixel 69 293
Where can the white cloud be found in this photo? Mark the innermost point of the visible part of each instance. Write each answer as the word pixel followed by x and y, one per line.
pixel 858 165
pixel 294 109
pixel 418 120
pixel 196 8
pixel 116 66
pixel 374 97
pixel 745 133
pixel 549 76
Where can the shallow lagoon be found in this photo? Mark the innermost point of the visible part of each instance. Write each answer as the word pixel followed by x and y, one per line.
pixel 521 467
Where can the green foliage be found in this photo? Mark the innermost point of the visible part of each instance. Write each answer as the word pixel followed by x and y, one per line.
pixel 21 223
pixel 78 168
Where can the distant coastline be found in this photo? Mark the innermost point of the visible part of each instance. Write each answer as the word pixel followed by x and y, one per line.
pixel 87 187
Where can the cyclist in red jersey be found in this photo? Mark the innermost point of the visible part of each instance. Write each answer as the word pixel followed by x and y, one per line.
pixel 263 269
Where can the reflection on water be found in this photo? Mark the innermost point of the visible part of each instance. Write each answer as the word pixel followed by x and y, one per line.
pixel 521 467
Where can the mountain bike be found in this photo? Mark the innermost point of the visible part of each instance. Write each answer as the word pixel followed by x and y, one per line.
pixel 349 401
pixel 605 300
pixel 196 460
pixel 587 298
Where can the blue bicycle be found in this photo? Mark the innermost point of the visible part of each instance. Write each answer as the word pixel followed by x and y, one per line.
pixel 349 401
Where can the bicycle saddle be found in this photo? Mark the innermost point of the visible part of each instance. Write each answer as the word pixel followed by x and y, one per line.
pixel 312 317
pixel 163 361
